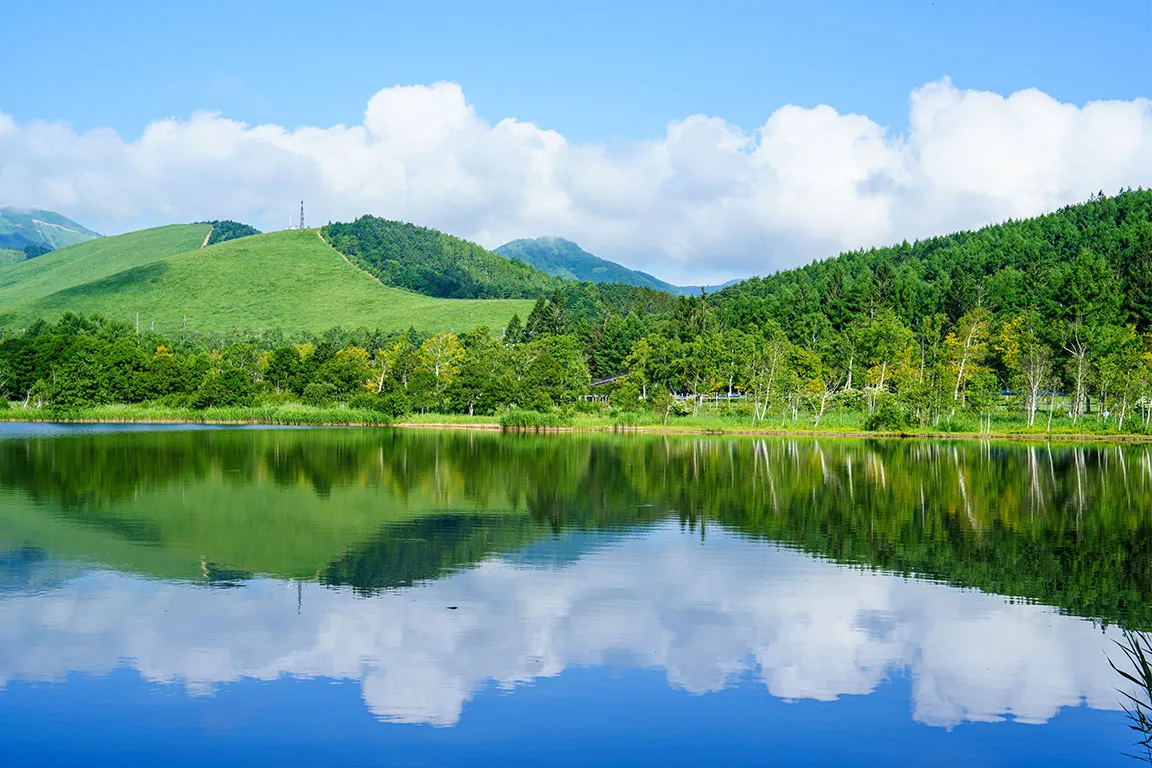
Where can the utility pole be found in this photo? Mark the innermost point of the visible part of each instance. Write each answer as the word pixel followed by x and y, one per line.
pixel 301 214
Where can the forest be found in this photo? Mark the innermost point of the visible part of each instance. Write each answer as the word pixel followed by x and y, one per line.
pixel 80 362
pixel 435 264
pixel 1041 324
pixel 225 230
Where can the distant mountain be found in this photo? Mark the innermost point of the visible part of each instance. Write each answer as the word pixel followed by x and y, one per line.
pixel 565 259
pixel 23 227
pixel 691 290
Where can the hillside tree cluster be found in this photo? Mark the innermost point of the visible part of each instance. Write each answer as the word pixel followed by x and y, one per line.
pixel 433 263
pixel 225 230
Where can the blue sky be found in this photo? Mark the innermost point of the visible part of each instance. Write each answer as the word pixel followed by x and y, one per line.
pixel 609 76
pixel 591 70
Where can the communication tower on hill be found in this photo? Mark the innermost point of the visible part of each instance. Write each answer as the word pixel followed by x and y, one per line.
pixel 300 225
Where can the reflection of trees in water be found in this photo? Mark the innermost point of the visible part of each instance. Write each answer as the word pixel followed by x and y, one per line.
pixel 1066 525
pixel 426 549
pixel 1055 524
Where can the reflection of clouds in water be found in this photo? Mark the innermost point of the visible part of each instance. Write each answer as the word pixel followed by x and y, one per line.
pixel 708 615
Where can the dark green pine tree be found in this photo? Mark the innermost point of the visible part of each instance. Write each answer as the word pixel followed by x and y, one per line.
pixel 1136 273
pixel 557 314
pixel 514 333
pixel 960 296
pixel 612 347
pixel 836 299
pixel 537 321
pixel 884 286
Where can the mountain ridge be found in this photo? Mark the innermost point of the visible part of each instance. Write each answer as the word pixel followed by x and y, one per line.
pixel 565 259
pixel 24 227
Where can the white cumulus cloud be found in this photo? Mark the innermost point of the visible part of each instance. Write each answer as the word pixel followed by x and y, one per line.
pixel 706 200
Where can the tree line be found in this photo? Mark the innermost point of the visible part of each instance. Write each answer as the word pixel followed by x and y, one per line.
pixel 1046 318
pixel 85 361
pixel 1038 322
pixel 1061 303
pixel 887 372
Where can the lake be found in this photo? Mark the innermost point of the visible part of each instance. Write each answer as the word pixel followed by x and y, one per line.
pixel 207 596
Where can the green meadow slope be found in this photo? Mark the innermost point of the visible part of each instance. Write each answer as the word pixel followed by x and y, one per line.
pixel 29 281
pixel 291 280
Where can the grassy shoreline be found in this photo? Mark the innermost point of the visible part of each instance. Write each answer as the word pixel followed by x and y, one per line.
pixel 307 416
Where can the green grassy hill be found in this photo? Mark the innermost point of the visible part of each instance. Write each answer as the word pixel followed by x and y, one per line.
pixel 291 280
pixel 28 282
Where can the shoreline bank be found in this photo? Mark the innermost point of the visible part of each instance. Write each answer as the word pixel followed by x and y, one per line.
pixel 619 429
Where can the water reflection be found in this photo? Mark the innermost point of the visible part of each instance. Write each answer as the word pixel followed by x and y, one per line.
pixel 706 615
pixel 426 565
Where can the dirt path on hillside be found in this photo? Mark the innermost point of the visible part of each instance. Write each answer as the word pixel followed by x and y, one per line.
pixel 349 261
pixel 206 238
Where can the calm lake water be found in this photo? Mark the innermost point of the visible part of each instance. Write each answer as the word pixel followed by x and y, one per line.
pixel 300 597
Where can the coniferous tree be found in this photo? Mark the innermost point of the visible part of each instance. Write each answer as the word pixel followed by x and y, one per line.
pixel 514 332
pixel 537 324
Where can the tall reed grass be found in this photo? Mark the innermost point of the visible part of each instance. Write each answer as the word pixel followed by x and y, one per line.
pixel 284 414
pixel 529 421
pixel 1136 669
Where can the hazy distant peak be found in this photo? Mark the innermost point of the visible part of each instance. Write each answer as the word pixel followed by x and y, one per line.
pixel 23 227
pixel 564 258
